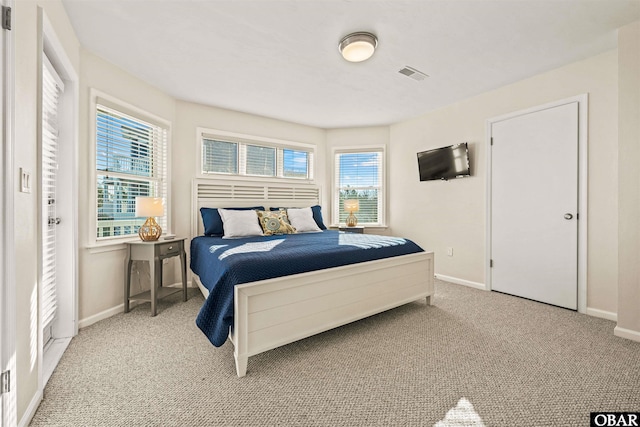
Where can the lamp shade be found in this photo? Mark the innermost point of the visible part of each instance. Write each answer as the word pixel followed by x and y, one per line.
pixel 149 206
pixel 351 205
pixel 358 47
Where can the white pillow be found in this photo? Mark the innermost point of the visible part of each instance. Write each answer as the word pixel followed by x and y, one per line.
pixel 240 223
pixel 302 220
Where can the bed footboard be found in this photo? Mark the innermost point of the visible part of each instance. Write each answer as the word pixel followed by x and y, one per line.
pixel 274 312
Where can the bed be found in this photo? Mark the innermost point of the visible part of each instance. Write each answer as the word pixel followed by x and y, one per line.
pixel 263 310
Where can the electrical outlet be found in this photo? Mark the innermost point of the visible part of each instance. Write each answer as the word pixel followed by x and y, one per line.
pixel 25 181
pixel 449 251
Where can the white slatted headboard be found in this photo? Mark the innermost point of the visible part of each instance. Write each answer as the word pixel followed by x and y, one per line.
pixel 211 193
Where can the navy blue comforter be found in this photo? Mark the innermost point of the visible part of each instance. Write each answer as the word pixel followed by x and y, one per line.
pixel 223 263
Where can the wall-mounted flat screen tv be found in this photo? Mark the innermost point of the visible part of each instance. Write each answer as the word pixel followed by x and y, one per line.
pixel 444 163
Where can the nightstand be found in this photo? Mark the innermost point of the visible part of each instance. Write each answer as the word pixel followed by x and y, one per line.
pixel 154 253
pixel 357 229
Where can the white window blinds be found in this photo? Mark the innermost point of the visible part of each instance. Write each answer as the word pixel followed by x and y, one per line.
pixel 243 157
pixel 52 88
pixel 131 160
pixel 219 156
pixel 359 175
pixel 260 160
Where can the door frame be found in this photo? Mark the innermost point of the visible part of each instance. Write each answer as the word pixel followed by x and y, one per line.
pixel 583 129
pixel 67 319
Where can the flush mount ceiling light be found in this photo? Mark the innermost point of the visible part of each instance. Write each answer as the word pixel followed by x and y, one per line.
pixel 358 47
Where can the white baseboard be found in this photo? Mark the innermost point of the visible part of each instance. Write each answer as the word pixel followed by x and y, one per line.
pixel 87 321
pixel 463 282
pixel 83 323
pixel 602 314
pixel 31 410
pixel 626 333
pixel 608 315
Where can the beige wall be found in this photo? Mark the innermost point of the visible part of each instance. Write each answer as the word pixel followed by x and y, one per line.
pixel 27 35
pixel 629 181
pixel 25 205
pixel 440 214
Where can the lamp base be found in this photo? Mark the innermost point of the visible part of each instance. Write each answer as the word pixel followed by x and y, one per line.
pixel 150 231
pixel 351 220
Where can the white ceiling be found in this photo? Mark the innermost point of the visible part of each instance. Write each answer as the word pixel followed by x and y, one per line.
pixel 280 58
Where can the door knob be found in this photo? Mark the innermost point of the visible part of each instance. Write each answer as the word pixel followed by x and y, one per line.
pixel 54 221
pixel 568 216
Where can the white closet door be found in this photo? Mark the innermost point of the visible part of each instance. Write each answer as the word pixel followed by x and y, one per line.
pixel 534 206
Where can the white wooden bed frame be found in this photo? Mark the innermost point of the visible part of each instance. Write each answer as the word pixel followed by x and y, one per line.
pixel 274 312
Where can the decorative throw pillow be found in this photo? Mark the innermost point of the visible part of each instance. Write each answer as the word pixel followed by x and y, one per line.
pixel 317 215
pixel 240 223
pixel 302 219
pixel 275 222
pixel 213 222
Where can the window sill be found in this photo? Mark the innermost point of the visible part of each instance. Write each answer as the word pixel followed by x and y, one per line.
pixel 119 244
pixel 98 247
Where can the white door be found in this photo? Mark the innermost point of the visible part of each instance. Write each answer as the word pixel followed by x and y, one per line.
pixel 52 87
pixel 534 205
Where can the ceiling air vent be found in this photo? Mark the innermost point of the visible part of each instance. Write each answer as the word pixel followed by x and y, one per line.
pixel 413 73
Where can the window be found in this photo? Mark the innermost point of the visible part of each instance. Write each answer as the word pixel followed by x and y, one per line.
pixel 261 160
pixel 295 163
pixel 131 160
pixel 219 156
pixel 242 155
pixel 359 174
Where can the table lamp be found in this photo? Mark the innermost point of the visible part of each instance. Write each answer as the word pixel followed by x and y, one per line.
pixel 351 206
pixel 150 207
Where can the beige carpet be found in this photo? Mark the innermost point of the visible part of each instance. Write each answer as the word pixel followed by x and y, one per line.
pixel 473 358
